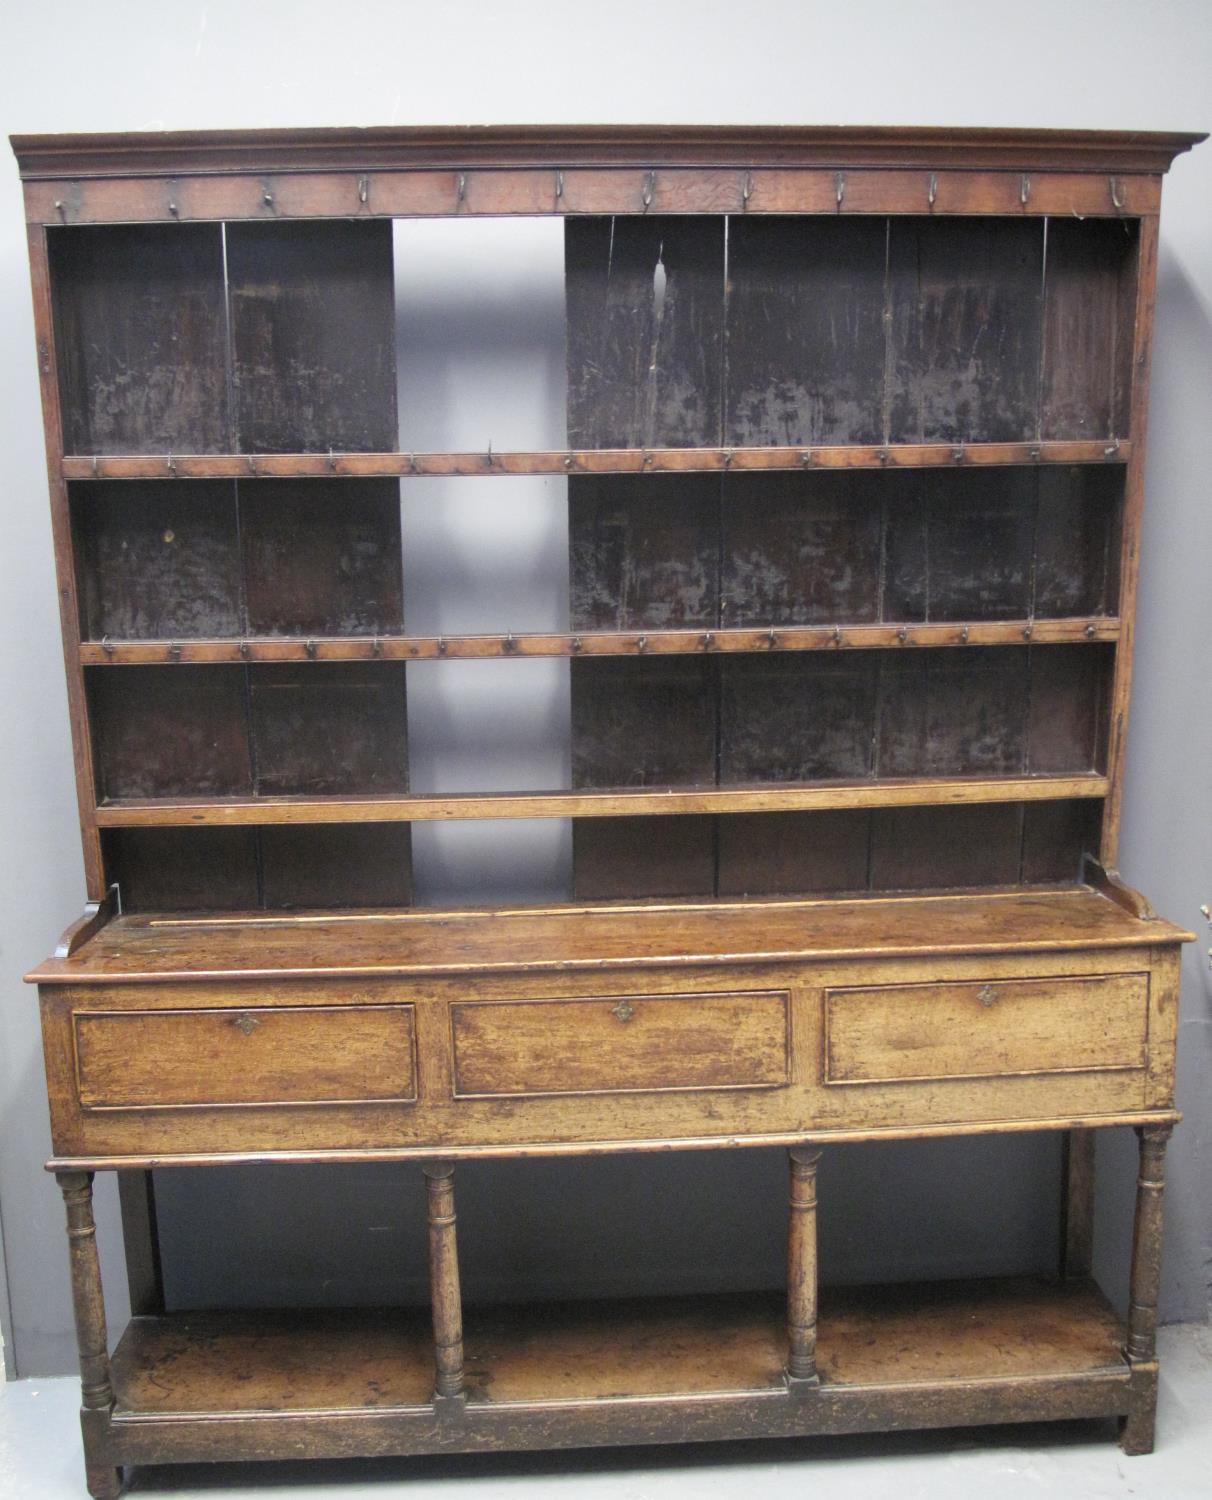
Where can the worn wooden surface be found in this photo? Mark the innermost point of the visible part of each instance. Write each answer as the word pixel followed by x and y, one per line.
pixel 181 948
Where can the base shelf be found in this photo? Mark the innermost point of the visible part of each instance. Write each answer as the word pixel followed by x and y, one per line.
pixel 280 1384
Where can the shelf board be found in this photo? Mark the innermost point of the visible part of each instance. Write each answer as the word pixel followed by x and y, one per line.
pixel 599 642
pixel 587 461
pixel 607 1371
pixel 183 812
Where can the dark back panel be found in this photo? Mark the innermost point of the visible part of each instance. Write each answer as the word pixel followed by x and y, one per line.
pixel 805 330
pixel 965 322
pixel 802 549
pixel 157 560
pixel 183 869
pixel 644 551
pixel 799 717
pixel 141 337
pixel 648 721
pixel 171 731
pixel 953 713
pixel 322 556
pixel 313 336
pixel 1077 534
pixel 329 728
pixel 786 854
pixel 1087 328
pixel 923 848
pixel 960 548
pixel 645 308
pixel 336 865
pixel 620 859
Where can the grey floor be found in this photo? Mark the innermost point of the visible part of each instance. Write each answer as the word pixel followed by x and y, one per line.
pixel 40 1460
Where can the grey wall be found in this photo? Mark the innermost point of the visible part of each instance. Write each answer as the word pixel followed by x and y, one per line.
pixel 493 552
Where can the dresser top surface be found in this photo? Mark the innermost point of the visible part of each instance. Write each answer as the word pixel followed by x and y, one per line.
pixel 265 945
pixel 437 146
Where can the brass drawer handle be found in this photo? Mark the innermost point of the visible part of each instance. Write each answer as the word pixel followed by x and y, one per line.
pixel 246 1023
pixel 987 995
pixel 624 1010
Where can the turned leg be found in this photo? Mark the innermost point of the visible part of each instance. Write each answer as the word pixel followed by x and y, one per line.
pixel 1136 1429
pixel 801 1268
pixel 444 1280
pixel 1077 1205
pixel 97 1396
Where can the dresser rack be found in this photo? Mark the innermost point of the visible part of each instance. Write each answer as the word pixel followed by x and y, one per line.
pixel 854 454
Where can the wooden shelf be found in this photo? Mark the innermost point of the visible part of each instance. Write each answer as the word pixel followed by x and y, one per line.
pixel 183 812
pixel 587 461
pixel 644 1370
pixel 600 642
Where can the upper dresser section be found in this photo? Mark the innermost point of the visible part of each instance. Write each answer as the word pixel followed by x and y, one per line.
pixel 968 290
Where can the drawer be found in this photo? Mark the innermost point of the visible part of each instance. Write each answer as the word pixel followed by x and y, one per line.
pixel 257 1055
pixel 982 1029
pixel 607 1044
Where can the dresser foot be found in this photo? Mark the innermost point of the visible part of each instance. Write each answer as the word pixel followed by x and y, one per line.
pixel 104 1481
pixel 1137 1428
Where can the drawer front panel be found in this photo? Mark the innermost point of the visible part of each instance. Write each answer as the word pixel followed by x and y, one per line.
pixel 620 1044
pixel 258 1055
pixel 918 1032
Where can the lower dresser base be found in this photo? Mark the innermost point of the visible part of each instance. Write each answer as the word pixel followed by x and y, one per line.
pixel 191 1387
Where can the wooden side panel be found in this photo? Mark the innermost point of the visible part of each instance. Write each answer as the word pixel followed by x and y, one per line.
pixel 140 332
pixel 923 1031
pixel 645 308
pixel 183 869
pixel 644 722
pixel 661 1042
pixel 322 556
pixel 329 728
pixel 965 298
pixel 805 330
pixel 644 551
pixel 157 560
pixel 953 713
pixel 336 865
pixel 313 336
pixel 802 549
pixel 1085 358
pixel 170 731
pixel 628 858
pixel 931 848
pixel 782 854
pixel 801 717
pixel 258 1055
